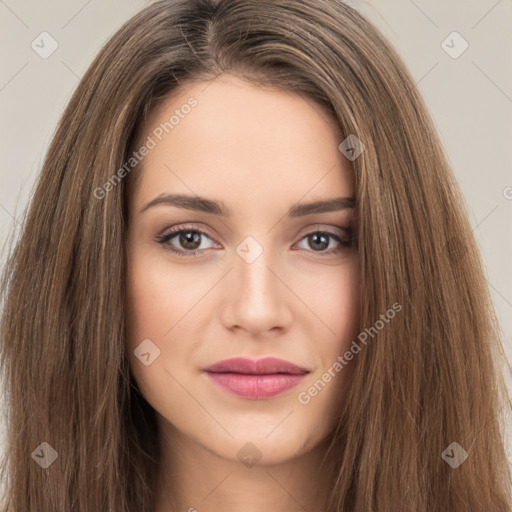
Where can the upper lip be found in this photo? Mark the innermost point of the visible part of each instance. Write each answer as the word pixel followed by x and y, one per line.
pixel 266 365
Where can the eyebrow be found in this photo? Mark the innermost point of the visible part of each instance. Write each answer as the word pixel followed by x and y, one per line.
pixel 204 205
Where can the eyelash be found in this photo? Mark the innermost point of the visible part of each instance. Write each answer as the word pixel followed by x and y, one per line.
pixel 163 239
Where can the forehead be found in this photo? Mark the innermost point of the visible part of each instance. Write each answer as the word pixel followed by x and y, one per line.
pixel 242 144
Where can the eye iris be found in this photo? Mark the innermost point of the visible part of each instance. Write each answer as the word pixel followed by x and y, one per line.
pixel 320 238
pixel 188 238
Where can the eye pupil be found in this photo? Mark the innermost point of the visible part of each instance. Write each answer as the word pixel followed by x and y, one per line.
pixel 190 239
pixel 320 238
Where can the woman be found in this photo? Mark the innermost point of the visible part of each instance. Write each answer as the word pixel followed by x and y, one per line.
pixel 173 336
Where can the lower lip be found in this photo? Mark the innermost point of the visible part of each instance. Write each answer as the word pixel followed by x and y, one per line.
pixel 256 386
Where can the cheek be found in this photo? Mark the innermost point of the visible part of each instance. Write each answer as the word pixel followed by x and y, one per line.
pixel 345 303
pixel 152 308
pixel 339 308
pixel 335 299
pixel 163 304
pixel 157 299
pixel 157 302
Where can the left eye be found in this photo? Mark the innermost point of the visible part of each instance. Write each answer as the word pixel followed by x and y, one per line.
pixel 190 241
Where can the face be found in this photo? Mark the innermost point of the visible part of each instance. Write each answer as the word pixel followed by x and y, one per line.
pixel 245 273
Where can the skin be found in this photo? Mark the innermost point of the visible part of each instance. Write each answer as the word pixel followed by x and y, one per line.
pixel 259 151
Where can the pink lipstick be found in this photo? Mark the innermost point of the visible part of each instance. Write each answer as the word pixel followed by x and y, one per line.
pixel 255 379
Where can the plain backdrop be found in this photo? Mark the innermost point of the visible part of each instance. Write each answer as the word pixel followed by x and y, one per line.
pixel 465 78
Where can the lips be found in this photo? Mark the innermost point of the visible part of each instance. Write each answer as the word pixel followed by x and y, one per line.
pixel 265 366
pixel 255 379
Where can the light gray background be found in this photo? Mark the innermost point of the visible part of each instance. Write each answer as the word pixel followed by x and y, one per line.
pixel 470 98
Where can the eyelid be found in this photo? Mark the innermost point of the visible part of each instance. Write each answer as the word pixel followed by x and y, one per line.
pixel 188 226
pixel 307 230
pixel 325 228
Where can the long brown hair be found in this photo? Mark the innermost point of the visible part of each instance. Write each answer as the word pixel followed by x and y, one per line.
pixel 430 379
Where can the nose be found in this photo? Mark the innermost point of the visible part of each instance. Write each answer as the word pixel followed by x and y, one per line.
pixel 257 298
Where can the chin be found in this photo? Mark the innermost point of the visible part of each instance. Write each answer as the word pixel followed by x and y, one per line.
pixel 254 446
